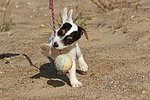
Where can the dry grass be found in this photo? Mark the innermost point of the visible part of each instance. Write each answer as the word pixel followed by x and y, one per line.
pixel 107 5
pixel 124 14
pixel 126 8
pixel 6 23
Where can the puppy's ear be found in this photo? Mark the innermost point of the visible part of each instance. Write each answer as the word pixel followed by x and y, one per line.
pixel 83 32
pixel 64 15
pixel 69 17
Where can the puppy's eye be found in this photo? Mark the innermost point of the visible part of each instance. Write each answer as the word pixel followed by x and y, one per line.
pixel 68 41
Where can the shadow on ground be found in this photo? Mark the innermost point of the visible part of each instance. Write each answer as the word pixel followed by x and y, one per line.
pixel 7 55
pixel 49 71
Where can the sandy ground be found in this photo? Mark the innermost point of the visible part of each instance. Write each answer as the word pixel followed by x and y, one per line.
pixel 118 60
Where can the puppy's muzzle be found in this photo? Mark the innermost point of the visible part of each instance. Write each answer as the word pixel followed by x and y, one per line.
pixel 55 45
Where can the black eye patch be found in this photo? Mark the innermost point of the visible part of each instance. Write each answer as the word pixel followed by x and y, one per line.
pixel 64 29
pixel 74 36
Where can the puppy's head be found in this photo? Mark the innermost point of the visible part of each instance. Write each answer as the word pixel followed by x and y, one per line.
pixel 68 33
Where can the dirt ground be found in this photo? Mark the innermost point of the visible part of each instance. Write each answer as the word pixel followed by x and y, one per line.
pixel 118 60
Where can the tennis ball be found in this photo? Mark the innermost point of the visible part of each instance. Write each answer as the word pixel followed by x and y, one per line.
pixel 63 63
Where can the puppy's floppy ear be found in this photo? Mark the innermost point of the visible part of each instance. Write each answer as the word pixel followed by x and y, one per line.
pixel 69 17
pixel 64 15
pixel 83 32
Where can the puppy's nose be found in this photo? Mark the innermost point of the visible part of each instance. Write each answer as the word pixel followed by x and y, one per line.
pixel 55 44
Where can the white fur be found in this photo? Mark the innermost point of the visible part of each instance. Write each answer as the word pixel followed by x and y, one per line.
pixel 73 51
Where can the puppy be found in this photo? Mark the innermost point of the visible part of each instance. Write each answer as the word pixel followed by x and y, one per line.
pixel 66 39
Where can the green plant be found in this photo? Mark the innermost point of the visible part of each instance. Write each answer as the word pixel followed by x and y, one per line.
pixel 6 23
pixel 81 20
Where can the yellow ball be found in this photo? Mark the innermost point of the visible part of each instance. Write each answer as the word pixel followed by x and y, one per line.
pixel 63 63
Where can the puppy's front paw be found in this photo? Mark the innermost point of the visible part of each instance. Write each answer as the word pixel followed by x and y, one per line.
pixel 45 47
pixel 76 84
pixel 83 66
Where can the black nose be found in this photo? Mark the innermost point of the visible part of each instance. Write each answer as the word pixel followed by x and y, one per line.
pixel 55 44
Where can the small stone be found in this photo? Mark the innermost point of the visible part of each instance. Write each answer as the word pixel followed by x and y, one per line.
pixel 144 92
pixel 4 9
pixel 117 95
pixel 7 60
pixel 131 17
pixel 124 31
pixel 17 6
pixel 113 32
pixel 101 24
pixel 42 25
pixel 28 3
pixel 1 72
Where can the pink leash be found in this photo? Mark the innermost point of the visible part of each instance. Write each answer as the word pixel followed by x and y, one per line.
pixel 51 7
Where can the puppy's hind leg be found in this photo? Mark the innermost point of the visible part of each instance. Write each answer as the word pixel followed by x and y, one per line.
pixel 82 63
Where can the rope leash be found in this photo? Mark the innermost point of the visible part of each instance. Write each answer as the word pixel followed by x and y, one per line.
pixel 51 7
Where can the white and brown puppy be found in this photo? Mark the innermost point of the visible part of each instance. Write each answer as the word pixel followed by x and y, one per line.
pixel 66 39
